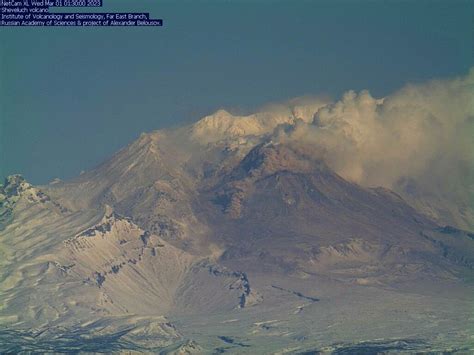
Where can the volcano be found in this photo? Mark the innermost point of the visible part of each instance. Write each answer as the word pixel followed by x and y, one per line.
pixel 220 237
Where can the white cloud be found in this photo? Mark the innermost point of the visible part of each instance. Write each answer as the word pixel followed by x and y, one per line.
pixel 421 137
pixel 418 141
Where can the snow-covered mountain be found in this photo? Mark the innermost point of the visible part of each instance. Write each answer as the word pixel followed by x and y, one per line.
pixel 235 233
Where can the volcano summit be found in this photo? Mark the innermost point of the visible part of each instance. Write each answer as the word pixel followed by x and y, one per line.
pixel 313 226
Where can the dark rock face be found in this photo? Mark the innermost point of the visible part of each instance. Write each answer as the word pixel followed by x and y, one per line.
pixel 10 192
pixel 277 205
pixel 13 185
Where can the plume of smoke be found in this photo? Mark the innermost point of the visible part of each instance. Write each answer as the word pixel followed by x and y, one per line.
pixel 419 139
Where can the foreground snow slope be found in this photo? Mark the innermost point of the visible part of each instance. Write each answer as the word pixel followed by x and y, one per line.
pixel 220 236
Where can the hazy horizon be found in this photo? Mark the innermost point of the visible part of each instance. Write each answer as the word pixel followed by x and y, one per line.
pixel 89 92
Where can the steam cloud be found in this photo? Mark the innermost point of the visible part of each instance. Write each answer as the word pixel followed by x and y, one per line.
pixel 419 140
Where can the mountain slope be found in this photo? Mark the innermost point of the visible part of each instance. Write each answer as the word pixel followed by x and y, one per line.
pixel 221 236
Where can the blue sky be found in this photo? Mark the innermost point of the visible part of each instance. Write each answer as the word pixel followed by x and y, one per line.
pixel 70 97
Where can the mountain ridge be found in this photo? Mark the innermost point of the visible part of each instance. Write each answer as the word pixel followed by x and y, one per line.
pixel 234 226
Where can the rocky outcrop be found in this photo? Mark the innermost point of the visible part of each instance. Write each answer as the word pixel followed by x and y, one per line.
pixel 16 188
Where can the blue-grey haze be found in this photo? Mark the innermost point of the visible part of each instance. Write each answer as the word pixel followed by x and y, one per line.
pixel 70 97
